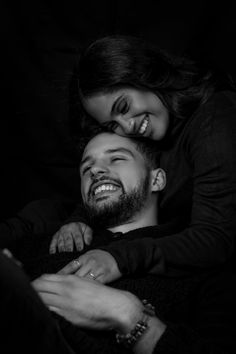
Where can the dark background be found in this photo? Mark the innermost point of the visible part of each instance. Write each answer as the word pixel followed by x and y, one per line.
pixel 40 43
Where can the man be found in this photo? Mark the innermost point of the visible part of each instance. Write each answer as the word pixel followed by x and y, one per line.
pixel 194 314
pixel 120 181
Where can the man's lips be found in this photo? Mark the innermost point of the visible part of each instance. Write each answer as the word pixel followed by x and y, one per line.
pixel 103 186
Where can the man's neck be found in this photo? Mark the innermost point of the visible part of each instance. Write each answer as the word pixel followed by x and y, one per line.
pixel 137 222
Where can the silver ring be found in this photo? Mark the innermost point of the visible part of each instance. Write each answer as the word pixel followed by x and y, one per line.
pixel 92 275
pixel 76 262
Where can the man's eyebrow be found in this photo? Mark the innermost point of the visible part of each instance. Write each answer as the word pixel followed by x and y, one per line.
pixel 120 149
pixel 87 158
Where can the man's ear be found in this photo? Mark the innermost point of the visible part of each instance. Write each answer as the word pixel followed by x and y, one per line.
pixel 158 180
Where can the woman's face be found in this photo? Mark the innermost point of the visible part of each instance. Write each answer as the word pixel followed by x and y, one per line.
pixel 129 112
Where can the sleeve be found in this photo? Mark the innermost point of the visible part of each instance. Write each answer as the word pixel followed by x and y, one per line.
pixel 78 215
pixel 212 328
pixel 43 216
pixel 211 152
pixel 208 239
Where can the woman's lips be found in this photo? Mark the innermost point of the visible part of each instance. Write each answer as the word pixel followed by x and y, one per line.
pixel 144 125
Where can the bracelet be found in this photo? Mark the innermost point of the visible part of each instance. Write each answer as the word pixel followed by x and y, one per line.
pixel 129 339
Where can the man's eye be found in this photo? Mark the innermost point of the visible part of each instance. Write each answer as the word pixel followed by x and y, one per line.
pixel 117 159
pixel 86 169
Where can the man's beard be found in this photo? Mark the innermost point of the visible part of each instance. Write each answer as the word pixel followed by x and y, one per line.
pixel 120 211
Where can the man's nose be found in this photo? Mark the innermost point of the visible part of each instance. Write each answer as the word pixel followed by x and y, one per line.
pixel 98 169
pixel 126 124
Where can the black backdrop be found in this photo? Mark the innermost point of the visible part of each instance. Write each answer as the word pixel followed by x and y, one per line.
pixel 40 41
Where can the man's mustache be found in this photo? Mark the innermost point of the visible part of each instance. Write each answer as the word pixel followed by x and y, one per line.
pixel 103 178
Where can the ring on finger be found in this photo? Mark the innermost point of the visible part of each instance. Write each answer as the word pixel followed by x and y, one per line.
pixel 92 275
pixel 76 262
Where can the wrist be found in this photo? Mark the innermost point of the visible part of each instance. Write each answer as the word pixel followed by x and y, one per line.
pixel 150 338
pixel 138 327
pixel 128 314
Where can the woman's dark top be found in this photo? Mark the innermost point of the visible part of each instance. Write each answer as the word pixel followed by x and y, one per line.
pixel 199 200
pixel 200 195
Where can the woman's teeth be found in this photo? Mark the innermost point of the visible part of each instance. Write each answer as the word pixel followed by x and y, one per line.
pixel 144 126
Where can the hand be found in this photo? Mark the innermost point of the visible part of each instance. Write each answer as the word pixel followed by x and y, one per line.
pixel 8 254
pixel 86 302
pixel 95 264
pixel 73 234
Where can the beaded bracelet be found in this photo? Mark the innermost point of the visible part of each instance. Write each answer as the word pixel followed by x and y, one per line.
pixel 129 339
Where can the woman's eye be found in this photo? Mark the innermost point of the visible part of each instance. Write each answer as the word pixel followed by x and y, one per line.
pixel 123 107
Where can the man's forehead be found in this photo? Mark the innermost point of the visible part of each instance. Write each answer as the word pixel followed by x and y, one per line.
pixel 107 143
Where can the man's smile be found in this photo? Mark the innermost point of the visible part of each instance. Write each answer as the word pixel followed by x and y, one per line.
pixel 104 188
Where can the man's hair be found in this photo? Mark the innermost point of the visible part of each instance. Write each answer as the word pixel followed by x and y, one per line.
pixel 146 147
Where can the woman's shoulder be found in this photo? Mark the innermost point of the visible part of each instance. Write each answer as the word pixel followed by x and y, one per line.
pixel 223 99
pixel 219 102
pixel 220 108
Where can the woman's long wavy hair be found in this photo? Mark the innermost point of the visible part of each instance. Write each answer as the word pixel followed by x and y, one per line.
pixel 118 61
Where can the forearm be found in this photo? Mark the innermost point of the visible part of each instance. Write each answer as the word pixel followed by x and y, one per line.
pixel 193 248
pixel 133 312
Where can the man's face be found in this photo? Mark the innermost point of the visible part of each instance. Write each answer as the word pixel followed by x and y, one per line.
pixel 113 173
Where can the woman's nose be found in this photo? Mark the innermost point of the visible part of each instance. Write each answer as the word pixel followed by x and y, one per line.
pixel 126 124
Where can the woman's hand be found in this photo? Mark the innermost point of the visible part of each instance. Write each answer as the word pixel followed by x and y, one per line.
pixel 96 264
pixel 74 234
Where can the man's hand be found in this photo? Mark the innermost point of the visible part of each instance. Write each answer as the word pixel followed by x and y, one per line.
pixel 75 234
pixel 84 302
pixel 90 304
pixel 96 264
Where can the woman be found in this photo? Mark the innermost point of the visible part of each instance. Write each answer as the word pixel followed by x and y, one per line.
pixel 135 89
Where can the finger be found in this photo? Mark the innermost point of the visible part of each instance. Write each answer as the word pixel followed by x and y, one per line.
pixel 46 280
pixel 91 275
pixel 68 242
pixel 49 299
pixel 84 270
pixel 8 254
pixel 101 278
pixel 60 243
pixel 53 244
pixel 56 310
pixel 45 286
pixel 70 268
pixel 88 235
pixel 78 239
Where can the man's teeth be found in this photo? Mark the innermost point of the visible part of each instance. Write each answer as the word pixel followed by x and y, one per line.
pixel 143 127
pixel 105 187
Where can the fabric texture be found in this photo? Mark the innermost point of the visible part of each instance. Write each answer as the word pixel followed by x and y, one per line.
pixel 199 309
pixel 200 196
